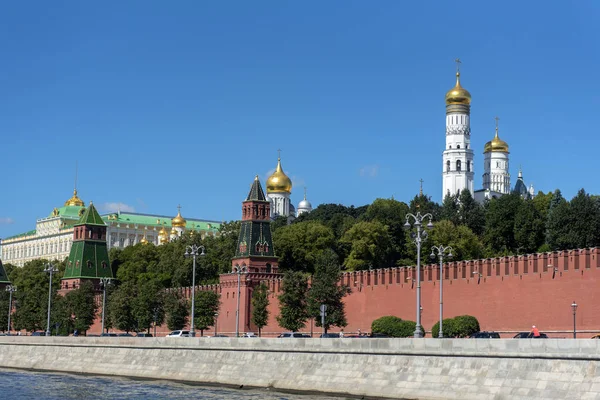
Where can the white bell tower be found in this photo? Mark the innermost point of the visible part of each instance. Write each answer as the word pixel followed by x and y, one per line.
pixel 457 173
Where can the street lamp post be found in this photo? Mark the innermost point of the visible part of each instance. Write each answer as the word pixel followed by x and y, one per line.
pixel 418 238
pixel 104 282
pixel 10 289
pixel 239 271
pixel 50 269
pixel 216 320
pixel 193 251
pixel 441 251
pixel 574 308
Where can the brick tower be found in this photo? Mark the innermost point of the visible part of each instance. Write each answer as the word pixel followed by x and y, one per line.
pixel 88 259
pixel 255 246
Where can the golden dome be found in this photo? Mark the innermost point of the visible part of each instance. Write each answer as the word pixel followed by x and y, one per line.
pixel 496 144
pixel 178 221
pixel 163 235
pixel 279 181
pixel 144 240
pixel 458 94
pixel 74 201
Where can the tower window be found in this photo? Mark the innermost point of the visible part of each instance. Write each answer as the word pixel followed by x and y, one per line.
pixel 468 166
pixel 458 146
pixel 458 165
pixel 448 166
pixel 450 147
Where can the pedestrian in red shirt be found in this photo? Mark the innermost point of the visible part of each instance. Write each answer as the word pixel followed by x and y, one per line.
pixel 535 331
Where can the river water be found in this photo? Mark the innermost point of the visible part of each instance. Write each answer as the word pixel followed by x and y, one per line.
pixel 49 386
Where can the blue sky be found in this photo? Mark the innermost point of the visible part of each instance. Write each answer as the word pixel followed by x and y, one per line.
pixel 167 103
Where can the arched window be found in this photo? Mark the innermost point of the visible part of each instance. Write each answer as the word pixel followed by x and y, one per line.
pixel 448 166
pixel 458 166
pixel 458 146
pixel 468 166
pixel 268 268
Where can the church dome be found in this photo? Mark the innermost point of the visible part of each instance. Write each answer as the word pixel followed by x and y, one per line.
pixel 163 235
pixel 74 201
pixel 458 94
pixel 279 181
pixel 178 221
pixel 496 145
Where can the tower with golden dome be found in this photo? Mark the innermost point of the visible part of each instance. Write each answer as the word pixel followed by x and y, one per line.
pixel 457 173
pixel 496 177
pixel 279 189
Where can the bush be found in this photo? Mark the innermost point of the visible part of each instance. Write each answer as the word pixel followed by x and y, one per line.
pixel 449 328
pixel 394 327
pixel 461 326
pixel 465 325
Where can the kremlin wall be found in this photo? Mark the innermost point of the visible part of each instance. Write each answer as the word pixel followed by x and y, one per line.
pixel 506 295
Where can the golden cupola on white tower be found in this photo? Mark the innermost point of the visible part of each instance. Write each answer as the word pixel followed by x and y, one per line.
pixel 495 165
pixel 178 224
pixel 279 189
pixel 457 158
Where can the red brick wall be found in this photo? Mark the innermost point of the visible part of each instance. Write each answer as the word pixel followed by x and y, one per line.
pixel 508 296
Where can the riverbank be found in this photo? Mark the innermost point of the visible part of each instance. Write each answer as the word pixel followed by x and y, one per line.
pixel 385 368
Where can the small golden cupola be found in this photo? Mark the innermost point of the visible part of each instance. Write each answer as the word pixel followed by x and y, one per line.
pixel 178 221
pixel 75 201
pixel 279 182
pixel 163 235
pixel 496 144
pixel 458 94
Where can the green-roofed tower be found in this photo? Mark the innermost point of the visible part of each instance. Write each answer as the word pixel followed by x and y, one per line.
pixel 255 246
pixel 88 259
pixel 3 277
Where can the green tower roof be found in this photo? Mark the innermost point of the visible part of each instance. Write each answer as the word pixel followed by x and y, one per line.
pixel 256 191
pixel 91 217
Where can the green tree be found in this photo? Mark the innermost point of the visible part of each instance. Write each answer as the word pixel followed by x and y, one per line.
pixel 260 306
pixel 499 234
pixel 470 213
pixel 206 306
pixel 423 204
pixel 370 246
pixel 120 307
pixel 465 244
pixel 4 310
pixel 449 329
pixel 292 301
pixel 324 289
pixel 148 304
pixel 449 209
pixel 585 220
pixel 81 306
pixel 558 224
pixel 529 228
pixel 177 309
pixel 299 244
pixel 391 213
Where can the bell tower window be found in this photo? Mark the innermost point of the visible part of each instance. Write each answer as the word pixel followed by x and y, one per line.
pixel 458 165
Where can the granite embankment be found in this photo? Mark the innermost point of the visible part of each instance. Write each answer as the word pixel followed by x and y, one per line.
pixel 389 368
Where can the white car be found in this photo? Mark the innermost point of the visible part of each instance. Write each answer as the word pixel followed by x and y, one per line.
pixel 179 334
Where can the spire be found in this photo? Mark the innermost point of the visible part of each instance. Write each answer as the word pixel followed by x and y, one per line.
pixel 304 192
pixel 497 119
pixel 520 173
pixel 458 62
pixel 256 191
pixel 91 217
pixel 421 188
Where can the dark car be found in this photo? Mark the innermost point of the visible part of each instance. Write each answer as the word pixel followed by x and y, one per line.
pixel 378 335
pixel 125 335
pixel 141 334
pixel 529 335
pixel 109 334
pixel 329 335
pixel 38 333
pixel 485 335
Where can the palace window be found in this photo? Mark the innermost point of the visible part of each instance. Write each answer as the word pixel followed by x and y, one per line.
pixel 458 165
pixel 448 166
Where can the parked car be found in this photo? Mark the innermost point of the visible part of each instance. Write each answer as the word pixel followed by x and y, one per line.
pixel 378 335
pixel 329 335
pixel 249 334
pixel 124 334
pixel 142 334
pixel 293 335
pixel 179 334
pixel 111 334
pixel 485 335
pixel 38 333
pixel 220 335
pixel 529 335
pixel 595 337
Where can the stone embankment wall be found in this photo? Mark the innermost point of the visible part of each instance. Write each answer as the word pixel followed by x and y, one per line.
pixel 388 368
